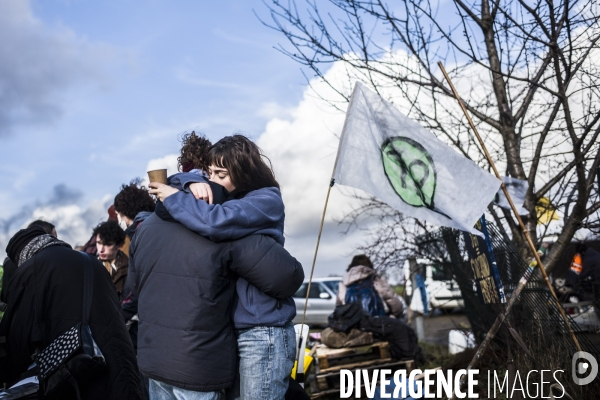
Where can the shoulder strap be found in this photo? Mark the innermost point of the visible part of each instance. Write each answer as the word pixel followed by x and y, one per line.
pixel 88 280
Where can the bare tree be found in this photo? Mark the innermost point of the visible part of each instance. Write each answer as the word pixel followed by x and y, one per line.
pixel 531 75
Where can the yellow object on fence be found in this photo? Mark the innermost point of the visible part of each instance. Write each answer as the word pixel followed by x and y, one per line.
pixel 545 211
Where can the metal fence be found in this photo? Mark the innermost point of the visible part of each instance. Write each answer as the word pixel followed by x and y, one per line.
pixel 543 340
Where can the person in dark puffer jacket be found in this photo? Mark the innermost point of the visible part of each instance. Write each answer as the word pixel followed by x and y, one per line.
pixel 185 285
pixel 255 207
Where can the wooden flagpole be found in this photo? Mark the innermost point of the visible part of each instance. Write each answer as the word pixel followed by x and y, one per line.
pixel 312 269
pixel 483 347
pixel 331 183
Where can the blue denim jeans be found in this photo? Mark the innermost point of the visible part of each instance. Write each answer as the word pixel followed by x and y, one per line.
pixel 164 391
pixel 266 359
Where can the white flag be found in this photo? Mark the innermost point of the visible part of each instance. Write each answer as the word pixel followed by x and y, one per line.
pixel 386 154
pixel 517 189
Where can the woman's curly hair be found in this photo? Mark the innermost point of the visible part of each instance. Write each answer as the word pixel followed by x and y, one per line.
pixel 194 152
pixel 133 199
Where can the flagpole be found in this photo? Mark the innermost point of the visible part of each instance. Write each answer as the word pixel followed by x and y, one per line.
pixel 538 262
pixel 512 205
pixel 331 183
pixel 526 277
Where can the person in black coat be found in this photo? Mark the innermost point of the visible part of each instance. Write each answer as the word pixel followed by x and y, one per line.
pixel 185 285
pixel 44 300
pixel 9 270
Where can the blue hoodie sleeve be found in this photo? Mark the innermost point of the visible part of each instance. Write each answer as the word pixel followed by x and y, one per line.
pixel 260 211
pixel 182 180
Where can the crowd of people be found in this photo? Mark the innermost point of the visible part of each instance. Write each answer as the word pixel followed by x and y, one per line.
pixel 189 294
pixel 184 292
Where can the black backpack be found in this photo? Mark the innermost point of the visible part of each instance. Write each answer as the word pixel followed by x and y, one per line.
pixel 345 317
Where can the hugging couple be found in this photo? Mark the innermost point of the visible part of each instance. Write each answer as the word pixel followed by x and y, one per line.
pixel 213 279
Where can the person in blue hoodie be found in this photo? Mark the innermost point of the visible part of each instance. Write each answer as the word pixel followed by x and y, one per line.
pixel 265 334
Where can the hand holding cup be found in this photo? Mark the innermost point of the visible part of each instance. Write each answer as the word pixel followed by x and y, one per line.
pixel 158 184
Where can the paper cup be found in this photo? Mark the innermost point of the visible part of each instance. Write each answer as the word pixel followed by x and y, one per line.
pixel 158 175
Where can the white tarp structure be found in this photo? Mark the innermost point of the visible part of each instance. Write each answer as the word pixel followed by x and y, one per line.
pixel 460 341
pixel 392 157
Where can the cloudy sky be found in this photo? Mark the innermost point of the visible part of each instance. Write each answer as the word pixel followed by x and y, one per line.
pixel 93 94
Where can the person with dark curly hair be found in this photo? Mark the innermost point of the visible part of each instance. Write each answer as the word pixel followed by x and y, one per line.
pixel 193 156
pixel 133 204
pixel 109 241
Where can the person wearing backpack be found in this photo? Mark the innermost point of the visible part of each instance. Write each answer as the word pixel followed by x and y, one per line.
pixel 45 301
pixel 361 284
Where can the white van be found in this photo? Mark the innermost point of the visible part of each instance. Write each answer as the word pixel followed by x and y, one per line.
pixel 442 290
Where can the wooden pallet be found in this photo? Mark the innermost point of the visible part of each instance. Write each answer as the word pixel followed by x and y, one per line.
pixel 329 383
pixel 351 357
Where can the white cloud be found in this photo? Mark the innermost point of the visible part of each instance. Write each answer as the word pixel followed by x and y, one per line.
pixel 272 110
pixel 301 142
pixel 38 64
pixel 74 222
pixel 168 162
pixel 303 150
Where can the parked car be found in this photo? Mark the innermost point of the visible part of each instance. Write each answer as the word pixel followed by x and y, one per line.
pixel 321 300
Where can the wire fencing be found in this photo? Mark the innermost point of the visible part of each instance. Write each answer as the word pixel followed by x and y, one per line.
pixel 539 338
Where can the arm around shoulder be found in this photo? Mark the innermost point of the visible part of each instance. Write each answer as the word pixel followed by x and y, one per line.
pixel 258 210
pixel 183 179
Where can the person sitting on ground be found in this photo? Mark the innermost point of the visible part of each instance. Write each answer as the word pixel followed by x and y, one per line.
pixel 361 270
pixel 109 240
pixel 45 300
